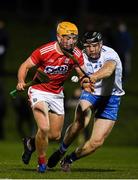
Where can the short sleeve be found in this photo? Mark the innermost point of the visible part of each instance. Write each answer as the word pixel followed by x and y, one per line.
pixel 111 55
pixel 36 56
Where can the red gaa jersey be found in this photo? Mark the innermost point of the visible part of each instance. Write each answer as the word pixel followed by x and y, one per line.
pixel 57 66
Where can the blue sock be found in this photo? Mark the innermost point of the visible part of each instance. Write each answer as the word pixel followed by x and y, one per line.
pixel 63 148
pixel 72 157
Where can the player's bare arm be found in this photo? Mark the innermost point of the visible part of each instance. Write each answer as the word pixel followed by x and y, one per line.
pixel 106 71
pixel 22 73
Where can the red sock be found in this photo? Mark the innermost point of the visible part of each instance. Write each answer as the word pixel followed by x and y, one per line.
pixel 42 160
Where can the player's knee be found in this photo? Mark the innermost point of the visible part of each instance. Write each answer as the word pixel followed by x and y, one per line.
pixel 82 116
pixel 95 144
pixel 44 130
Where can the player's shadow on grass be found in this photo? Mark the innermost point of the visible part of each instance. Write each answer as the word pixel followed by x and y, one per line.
pixel 25 169
pixel 92 170
pixel 29 169
pixel 72 170
pixel 84 170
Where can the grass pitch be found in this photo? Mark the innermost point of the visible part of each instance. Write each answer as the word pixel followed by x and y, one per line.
pixel 106 163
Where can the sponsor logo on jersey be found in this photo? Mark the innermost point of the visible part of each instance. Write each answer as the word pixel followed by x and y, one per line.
pixel 56 69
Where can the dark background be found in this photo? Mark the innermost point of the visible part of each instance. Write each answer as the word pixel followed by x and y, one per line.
pixel 71 7
pixel 30 23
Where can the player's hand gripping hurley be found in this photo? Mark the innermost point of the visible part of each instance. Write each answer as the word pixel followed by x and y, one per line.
pixel 85 81
pixel 42 78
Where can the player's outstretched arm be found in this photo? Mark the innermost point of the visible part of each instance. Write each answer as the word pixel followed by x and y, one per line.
pixel 106 71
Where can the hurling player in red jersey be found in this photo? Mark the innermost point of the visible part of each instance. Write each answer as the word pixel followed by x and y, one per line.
pixel 47 99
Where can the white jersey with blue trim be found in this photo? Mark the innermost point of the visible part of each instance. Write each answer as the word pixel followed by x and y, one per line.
pixel 111 85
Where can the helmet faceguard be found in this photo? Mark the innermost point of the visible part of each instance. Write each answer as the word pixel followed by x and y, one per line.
pixel 67 35
pixel 92 42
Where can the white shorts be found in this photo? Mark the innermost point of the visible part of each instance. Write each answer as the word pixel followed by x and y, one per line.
pixel 55 102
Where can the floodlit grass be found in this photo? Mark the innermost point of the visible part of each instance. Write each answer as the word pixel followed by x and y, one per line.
pixel 106 163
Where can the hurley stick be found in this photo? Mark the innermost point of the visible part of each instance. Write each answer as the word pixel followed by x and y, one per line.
pixel 75 61
pixel 42 78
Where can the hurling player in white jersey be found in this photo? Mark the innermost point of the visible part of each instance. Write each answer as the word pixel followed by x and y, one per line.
pixel 47 99
pixel 104 68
